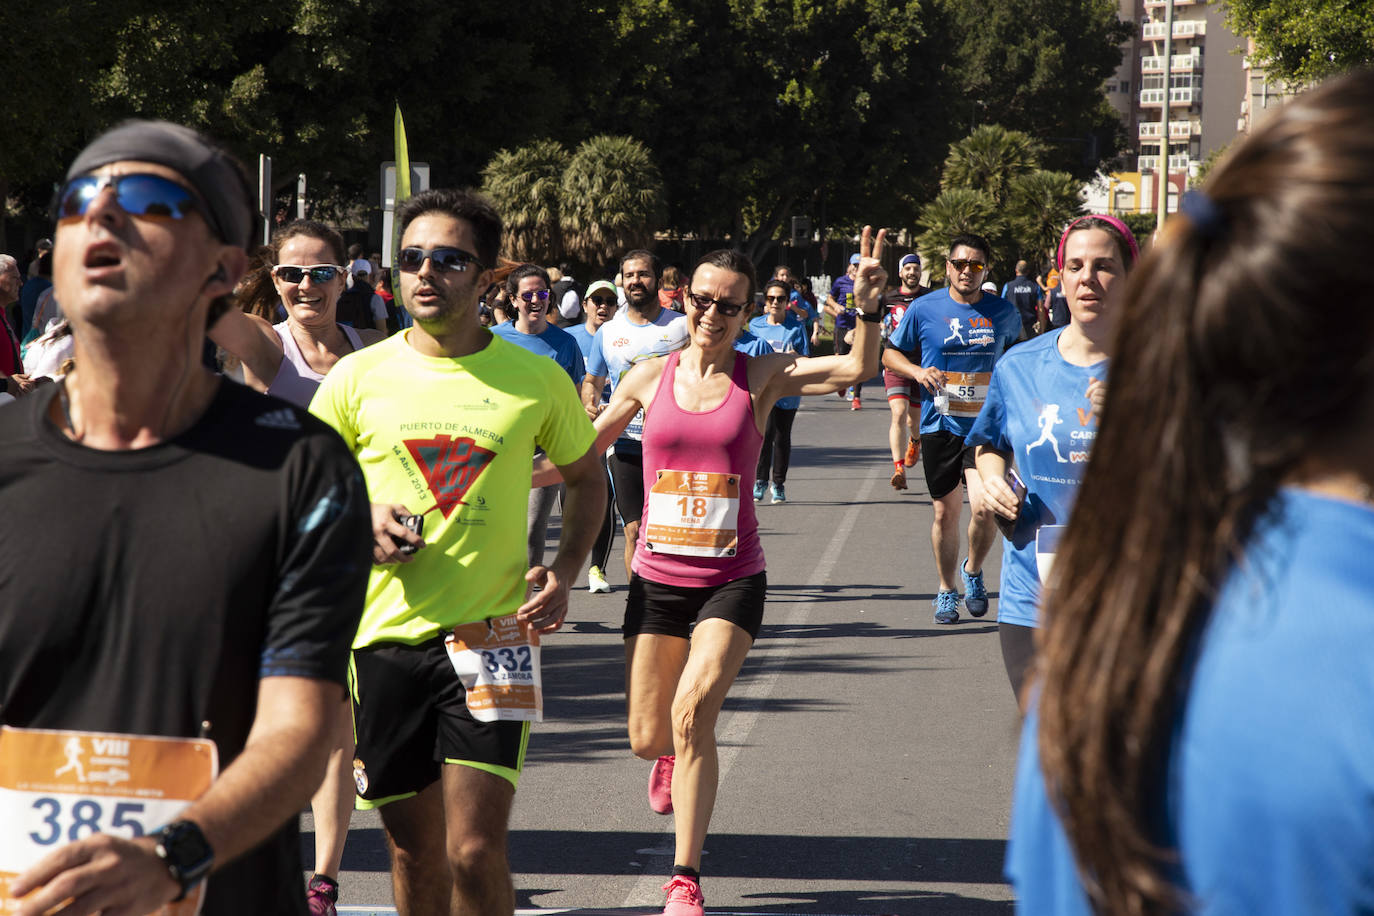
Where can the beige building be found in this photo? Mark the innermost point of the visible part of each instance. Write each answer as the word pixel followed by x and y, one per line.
pixel 1205 80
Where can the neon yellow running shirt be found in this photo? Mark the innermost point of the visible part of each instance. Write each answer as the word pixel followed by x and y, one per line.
pixel 453 439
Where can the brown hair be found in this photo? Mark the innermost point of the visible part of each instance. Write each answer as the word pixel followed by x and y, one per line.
pixel 255 293
pixel 1206 415
pixel 311 229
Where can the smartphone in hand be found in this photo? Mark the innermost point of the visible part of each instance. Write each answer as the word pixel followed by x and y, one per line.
pixel 1018 487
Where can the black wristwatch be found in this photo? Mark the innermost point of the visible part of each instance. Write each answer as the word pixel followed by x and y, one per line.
pixel 871 317
pixel 187 853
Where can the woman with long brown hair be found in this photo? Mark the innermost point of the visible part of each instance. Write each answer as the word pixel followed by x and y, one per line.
pixel 1203 737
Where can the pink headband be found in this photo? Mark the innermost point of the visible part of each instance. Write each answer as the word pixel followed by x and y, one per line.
pixel 1117 224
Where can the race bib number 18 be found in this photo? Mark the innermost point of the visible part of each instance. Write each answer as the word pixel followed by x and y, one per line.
pixel 693 513
pixel 498 662
pixel 57 787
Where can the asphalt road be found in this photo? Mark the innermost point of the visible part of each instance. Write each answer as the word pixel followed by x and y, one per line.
pixel 866 753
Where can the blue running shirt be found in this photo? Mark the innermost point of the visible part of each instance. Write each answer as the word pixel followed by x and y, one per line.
pixel 963 340
pixel 1038 410
pixel 1270 783
pixel 782 338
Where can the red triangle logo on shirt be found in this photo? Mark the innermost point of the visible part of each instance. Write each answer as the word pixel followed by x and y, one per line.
pixel 450 466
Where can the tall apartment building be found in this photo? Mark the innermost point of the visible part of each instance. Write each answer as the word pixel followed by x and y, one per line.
pixel 1205 80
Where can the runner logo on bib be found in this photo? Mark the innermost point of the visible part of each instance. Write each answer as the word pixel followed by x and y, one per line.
pixel 498 662
pixel 693 513
pixel 57 787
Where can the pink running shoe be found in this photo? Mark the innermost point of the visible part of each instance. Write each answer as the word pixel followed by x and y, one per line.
pixel 320 896
pixel 661 785
pixel 684 895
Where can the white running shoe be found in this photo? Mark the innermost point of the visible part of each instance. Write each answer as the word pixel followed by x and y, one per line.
pixel 596 581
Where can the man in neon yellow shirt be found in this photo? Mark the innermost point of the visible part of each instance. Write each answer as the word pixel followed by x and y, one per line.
pixel 444 420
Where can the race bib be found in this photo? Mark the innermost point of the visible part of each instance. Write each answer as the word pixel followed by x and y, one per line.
pixel 967 391
pixel 1046 543
pixel 498 662
pixel 693 513
pixel 57 787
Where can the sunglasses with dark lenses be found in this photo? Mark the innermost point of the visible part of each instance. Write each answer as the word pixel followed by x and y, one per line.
pixel 777 298
pixel 703 303
pixel 318 273
pixel 960 264
pixel 602 300
pixel 446 259
pixel 533 295
pixel 141 195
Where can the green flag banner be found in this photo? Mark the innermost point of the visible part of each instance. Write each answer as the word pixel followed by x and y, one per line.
pixel 402 193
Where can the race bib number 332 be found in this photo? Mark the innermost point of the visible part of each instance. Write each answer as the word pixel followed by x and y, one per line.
pixel 57 787
pixel 498 662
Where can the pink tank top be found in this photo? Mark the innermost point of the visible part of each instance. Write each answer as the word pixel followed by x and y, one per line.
pixel 698 527
pixel 295 380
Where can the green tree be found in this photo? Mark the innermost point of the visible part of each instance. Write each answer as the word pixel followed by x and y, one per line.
pixel 1302 41
pixel 525 184
pixel 1039 206
pixel 611 198
pixel 990 159
pixel 1039 66
pixel 954 212
pixel 1209 163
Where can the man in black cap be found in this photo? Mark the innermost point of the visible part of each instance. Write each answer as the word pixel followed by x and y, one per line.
pixel 175 621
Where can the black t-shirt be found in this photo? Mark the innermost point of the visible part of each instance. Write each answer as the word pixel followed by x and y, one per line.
pixel 146 592
pixel 1023 293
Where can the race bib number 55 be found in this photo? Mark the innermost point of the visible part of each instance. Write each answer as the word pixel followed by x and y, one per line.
pixel 57 787
pixel 498 662
pixel 967 391
pixel 693 513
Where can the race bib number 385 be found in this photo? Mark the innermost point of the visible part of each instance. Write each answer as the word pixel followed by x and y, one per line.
pixel 498 662
pixel 57 787
pixel 693 513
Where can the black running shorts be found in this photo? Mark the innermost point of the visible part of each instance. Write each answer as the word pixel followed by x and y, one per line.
pixel 671 610
pixel 944 458
pixel 410 718
pixel 627 474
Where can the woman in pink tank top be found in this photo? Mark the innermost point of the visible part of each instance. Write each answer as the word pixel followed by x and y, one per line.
pixel 289 359
pixel 696 597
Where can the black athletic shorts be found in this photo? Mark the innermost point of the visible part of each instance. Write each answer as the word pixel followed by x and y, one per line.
pixel 671 610
pixel 944 458
pixel 410 718
pixel 627 474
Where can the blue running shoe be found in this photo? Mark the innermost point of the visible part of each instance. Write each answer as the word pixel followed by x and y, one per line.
pixel 975 595
pixel 779 494
pixel 946 607
pixel 759 488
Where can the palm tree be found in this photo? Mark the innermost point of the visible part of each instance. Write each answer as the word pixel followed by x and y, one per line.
pixel 524 185
pixel 955 212
pixel 989 159
pixel 612 198
pixel 1040 205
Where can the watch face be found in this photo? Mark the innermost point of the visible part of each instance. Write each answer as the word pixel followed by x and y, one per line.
pixel 186 848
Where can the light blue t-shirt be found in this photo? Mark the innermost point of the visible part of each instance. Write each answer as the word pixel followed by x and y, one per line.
pixel 1270 784
pixel 553 342
pixel 964 341
pixel 584 340
pixel 1038 410
pixel 619 344
pixel 782 338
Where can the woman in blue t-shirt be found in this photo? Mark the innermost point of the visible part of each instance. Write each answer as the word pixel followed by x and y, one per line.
pixel 1200 737
pixel 1041 414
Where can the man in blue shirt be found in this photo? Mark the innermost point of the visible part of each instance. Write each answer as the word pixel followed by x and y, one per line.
pixel 957 333
pixel 529 289
pixel 1023 292
pixel 840 305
